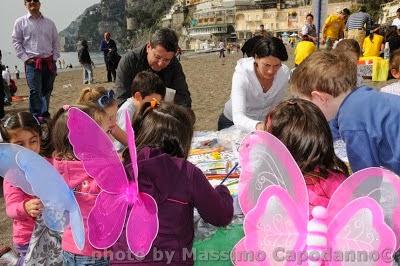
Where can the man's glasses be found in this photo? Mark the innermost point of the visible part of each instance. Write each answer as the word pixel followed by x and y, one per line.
pixel 106 99
pixel 29 1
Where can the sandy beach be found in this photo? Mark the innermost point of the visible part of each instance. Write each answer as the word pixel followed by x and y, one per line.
pixel 209 82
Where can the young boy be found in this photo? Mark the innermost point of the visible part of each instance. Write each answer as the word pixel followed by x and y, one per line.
pixel 367 120
pixel 145 86
pixel 394 62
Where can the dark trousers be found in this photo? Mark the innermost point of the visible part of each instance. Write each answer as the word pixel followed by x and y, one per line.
pixel 111 71
pixel 40 83
pixel 111 75
pixel 224 122
pixel 2 95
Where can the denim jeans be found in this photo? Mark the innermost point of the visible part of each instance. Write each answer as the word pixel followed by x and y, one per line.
pixel 87 73
pixel 40 83
pixel 7 92
pixel 70 259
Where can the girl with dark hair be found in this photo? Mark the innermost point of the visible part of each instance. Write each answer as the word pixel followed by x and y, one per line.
pixel 25 130
pixel 302 127
pixel 259 83
pixel 163 137
pixel 392 36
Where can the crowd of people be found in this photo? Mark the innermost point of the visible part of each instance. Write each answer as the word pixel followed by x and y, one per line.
pixel 329 102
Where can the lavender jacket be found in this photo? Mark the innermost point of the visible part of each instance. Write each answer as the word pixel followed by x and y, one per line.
pixel 178 187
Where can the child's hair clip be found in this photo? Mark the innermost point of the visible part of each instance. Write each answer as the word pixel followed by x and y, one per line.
pixel 106 99
pixel 154 103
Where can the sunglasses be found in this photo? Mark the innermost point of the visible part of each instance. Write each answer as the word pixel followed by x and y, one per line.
pixel 34 1
pixel 106 99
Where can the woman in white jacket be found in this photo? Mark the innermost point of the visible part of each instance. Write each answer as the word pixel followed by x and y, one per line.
pixel 258 84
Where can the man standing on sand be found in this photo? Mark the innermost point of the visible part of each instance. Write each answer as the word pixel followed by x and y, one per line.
pixel 358 25
pixel 309 28
pixel 109 47
pixel 334 28
pixel 158 56
pixel 35 39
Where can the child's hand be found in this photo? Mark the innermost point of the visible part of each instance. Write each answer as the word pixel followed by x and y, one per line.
pixel 33 207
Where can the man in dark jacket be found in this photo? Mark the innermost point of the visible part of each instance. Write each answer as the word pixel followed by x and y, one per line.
pixel 158 56
pixel 86 62
pixel 109 49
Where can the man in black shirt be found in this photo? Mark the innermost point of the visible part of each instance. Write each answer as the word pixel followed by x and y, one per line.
pixel 158 56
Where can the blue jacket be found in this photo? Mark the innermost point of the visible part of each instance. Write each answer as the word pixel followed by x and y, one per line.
pixel 369 122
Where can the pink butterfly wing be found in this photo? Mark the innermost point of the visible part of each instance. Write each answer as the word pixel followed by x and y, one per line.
pixel 240 256
pixel 377 183
pixel 273 223
pixel 106 219
pixel 360 229
pixel 142 225
pixel 132 153
pixel 265 161
pixel 94 148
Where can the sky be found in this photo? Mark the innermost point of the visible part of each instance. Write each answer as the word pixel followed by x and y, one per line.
pixel 62 12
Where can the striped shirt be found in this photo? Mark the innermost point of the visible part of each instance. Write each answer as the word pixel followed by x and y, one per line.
pixel 357 21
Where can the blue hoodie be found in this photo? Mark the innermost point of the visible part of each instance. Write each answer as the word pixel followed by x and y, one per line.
pixel 369 122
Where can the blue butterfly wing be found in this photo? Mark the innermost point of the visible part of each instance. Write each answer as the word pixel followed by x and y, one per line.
pixel 60 205
pixel 9 168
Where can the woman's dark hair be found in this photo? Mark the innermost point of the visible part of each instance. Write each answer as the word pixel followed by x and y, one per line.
pixel 374 29
pixel 167 38
pixel 302 127
pixel 167 126
pixel 26 121
pixel 59 133
pixel 310 15
pixel 270 46
pixel 390 32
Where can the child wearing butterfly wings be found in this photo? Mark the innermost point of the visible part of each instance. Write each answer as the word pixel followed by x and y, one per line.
pixel 163 137
pixel 85 187
pixel 25 130
pixel 302 127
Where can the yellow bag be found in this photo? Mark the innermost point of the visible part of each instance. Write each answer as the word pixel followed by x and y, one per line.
pixel 380 69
